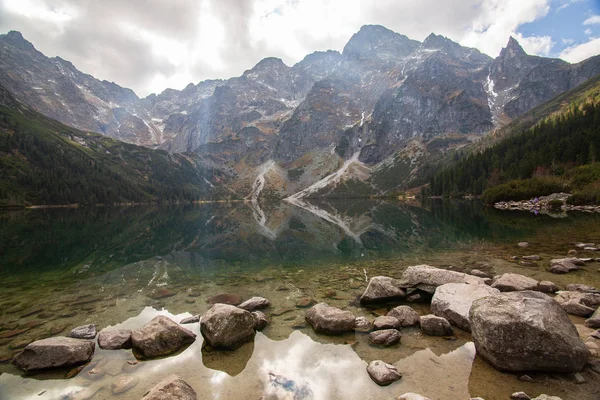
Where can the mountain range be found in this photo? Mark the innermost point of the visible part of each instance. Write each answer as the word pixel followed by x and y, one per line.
pixel 363 121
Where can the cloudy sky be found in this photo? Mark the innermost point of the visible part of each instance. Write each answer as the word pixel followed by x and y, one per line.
pixel 151 45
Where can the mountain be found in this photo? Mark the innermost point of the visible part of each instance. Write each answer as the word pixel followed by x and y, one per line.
pixel 367 119
pixel 45 162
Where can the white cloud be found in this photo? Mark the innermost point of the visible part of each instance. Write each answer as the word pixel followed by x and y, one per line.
pixel 588 32
pixel 592 20
pixel 567 41
pixel 582 51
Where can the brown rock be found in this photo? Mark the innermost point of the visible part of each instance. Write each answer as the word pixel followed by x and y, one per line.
pixel 225 298
pixel 54 352
pixel 160 337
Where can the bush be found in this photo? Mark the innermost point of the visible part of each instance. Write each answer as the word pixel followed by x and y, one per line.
pixel 555 205
pixel 589 195
pixel 524 189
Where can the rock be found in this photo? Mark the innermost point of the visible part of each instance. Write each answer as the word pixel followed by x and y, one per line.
pixel 386 322
pixel 54 352
pixel 226 326
pixel 190 320
pixel 330 320
pixel 114 339
pixel 578 303
pixel 523 244
pixel 361 324
pixel 578 378
pixel 580 287
pixel 532 258
pixel 382 289
pixel 405 314
pixel 255 303
pixel 435 326
pixel 526 378
pixel 526 331
pixel 514 282
pixel 161 293
pixel 84 332
pixel 260 320
pixel 413 396
pixel 329 293
pixel 547 287
pixel 124 384
pixel 596 335
pixel 593 321
pixel 572 252
pixel 160 337
pixel 563 265
pixel 427 278
pixel 453 302
pixel 385 337
pixel 480 274
pixel 520 396
pixel 231 299
pixel 382 373
pixel 281 311
pixel 546 397
pixel 171 388
pixel 304 302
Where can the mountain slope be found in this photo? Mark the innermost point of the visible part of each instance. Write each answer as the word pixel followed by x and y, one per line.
pixel 45 162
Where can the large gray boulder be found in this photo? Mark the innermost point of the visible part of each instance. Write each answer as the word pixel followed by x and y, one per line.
pixel 405 314
pixel 160 337
pixel 382 289
pixel 227 327
pixel 84 332
pixel 383 373
pixel 428 278
pixel 330 320
pixel 114 339
pixel 593 321
pixel 578 303
pixel 453 301
pixel 171 388
pixel 54 352
pixel 526 331
pixel 514 282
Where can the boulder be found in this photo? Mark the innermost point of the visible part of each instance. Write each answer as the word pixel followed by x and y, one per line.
pixel 386 322
pixel 547 287
pixel 383 373
pixel 514 282
pixel 225 298
pixel 578 303
pixel 405 314
pixel 171 388
pixel 520 396
pixel 54 352
pixel 260 320
pixel 580 287
pixel 385 337
pixel 330 320
pixel 160 337
pixel 546 397
pixel 228 327
pixel 382 289
pixel 427 278
pixel 526 331
pixel 84 332
pixel 190 320
pixel 435 326
pixel 114 339
pixel 453 302
pixel 534 257
pixel 255 303
pixel 361 324
pixel 479 273
pixel 593 321
pixel 564 265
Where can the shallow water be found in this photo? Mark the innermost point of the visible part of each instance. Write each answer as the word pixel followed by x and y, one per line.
pixel 120 267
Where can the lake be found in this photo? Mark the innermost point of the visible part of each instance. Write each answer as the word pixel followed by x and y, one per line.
pixel 120 267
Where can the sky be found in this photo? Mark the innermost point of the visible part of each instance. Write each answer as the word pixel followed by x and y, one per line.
pixel 151 45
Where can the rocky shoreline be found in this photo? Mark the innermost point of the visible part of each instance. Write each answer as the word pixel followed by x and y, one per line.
pixel 555 203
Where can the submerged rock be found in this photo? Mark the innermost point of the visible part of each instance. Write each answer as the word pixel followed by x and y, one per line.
pixel 383 373
pixel 84 332
pixel 171 388
pixel 226 326
pixel 514 282
pixel 526 331
pixel 435 326
pixel 330 320
pixel 428 278
pixel 361 324
pixel 386 322
pixel 160 337
pixel 453 302
pixel 564 265
pixel 54 352
pixel 114 339
pixel 405 314
pixel 578 303
pixel 255 303
pixel 225 298
pixel 385 337
pixel 382 289
pixel 260 320
pixel 124 384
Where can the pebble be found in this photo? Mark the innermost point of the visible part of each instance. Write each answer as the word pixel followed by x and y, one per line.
pixel 520 396
pixel 526 378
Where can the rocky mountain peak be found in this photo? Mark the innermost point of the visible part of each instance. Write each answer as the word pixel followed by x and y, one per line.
pixel 434 41
pixel 512 50
pixel 15 38
pixel 266 65
pixel 376 41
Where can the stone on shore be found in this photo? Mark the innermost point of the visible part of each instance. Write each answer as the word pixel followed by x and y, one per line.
pixel 190 320
pixel 329 320
pixel 428 278
pixel 54 352
pixel 227 327
pixel 160 337
pixel 255 303
pixel 520 396
pixel 84 332
pixel 386 322
pixel 382 289
pixel 260 320
pixel 171 388
pixel 564 265
pixel 385 337
pixel 405 314
pixel 593 321
pixel 435 326
pixel 514 282
pixel 383 373
pixel 547 287
pixel 580 287
pixel 361 324
pixel 114 339
pixel 526 331
pixel 578 303
pixel 453 302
